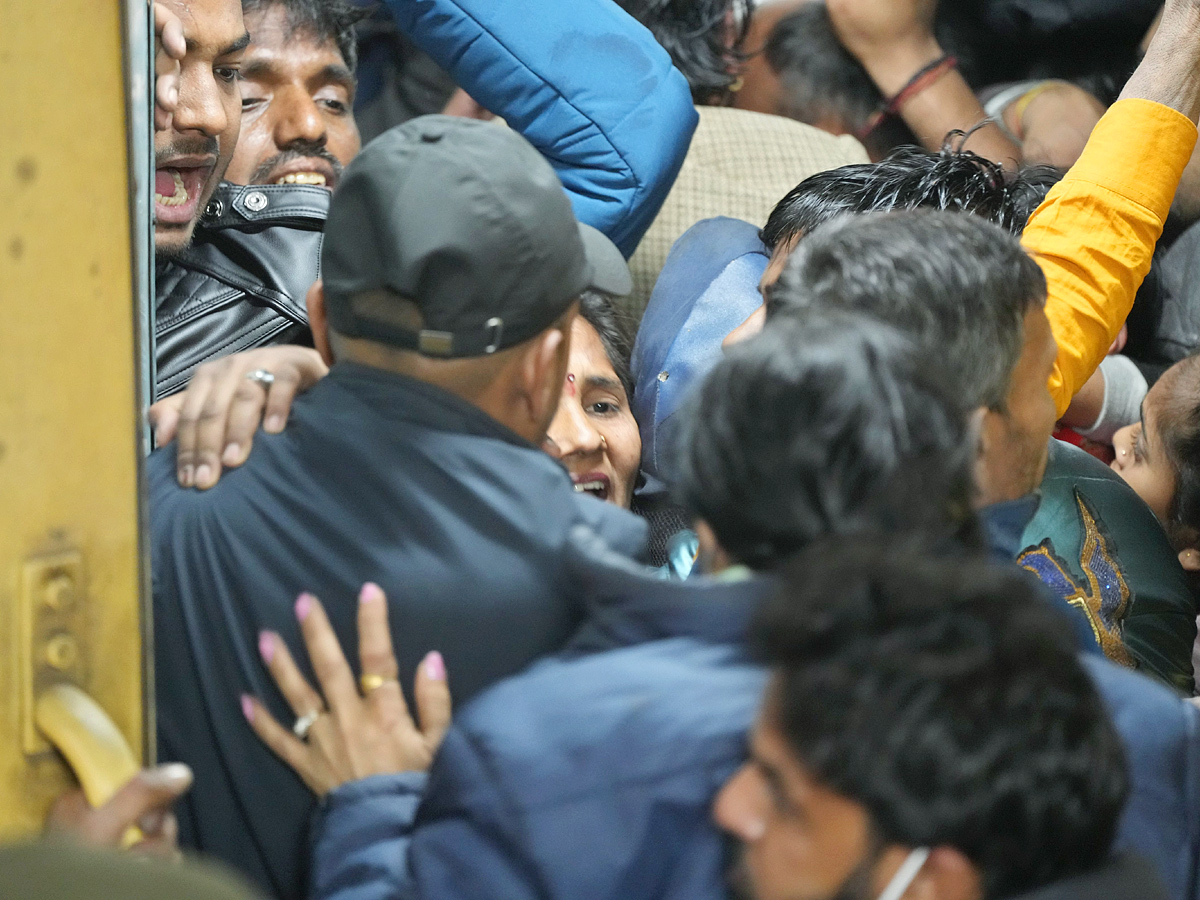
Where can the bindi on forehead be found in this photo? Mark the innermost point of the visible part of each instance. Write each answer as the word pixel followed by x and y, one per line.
pixel 569 387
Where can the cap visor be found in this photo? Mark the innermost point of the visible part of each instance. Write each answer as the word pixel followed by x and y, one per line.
pixel 609 273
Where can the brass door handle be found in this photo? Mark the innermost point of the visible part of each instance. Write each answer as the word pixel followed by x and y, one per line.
pixel 93 746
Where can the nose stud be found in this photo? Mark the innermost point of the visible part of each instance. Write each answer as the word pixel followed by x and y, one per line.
pixel 603 443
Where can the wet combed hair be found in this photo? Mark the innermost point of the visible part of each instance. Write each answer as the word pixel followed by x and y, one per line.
pixel 911 178
pixel 325 20
pixel 957 285
pixel 598 311
pixel 701 37
pixel 947 697
pixel 825 423
pixel 1178 421
pixel 823 83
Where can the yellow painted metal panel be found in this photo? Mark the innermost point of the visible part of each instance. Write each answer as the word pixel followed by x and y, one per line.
pixel 68 414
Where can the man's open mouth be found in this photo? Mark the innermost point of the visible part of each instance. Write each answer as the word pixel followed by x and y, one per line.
pixel 177 190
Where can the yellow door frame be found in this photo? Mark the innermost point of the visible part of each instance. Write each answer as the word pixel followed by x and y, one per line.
pixel 73 278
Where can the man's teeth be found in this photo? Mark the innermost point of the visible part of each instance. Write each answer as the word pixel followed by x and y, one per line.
pixel 583 486
pixel 180 196
pixel 303 178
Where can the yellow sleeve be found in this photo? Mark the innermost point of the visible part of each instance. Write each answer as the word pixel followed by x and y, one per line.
pixel 1095 233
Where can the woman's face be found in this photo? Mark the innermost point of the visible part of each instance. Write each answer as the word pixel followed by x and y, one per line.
pixel 1141 458
pixel 594 433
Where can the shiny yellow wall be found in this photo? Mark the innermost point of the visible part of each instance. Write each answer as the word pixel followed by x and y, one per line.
pixel 68 440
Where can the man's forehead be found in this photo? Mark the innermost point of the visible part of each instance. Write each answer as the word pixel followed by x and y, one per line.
pixel 275 38
pixel 211 26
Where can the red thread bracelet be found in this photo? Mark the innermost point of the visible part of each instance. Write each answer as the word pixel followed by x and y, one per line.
pixel 919 82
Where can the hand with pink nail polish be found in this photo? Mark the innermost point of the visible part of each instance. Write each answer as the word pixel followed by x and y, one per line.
pixel 350 729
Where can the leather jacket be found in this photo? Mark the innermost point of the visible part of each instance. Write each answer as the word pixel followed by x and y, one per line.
pixel 241 283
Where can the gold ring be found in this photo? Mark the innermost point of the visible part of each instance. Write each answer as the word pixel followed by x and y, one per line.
pixel 370 683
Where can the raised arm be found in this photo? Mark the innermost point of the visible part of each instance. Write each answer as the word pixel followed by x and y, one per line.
pixel 894 41
pixel 584 83
pixel 1095 234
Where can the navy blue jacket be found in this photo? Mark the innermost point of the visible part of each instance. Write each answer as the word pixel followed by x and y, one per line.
pixel 377 477
pixel 593 776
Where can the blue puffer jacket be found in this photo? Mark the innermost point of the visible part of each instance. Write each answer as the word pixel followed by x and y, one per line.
pixel 584 83
pixel 593 775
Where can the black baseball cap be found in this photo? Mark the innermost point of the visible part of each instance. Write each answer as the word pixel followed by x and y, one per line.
pixel 468 222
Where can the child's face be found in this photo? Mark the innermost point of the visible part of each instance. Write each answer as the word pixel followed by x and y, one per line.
pixel 1141 459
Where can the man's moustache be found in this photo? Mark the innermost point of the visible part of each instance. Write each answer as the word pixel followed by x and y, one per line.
pixel 188 147
pixel 279 159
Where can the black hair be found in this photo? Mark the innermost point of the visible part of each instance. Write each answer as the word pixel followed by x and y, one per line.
pixel 701 37
pixel 324 20
pixel 946 697
pixel 823 83
pixel 1178 424
pixel 959 286
pixel 1029 188
pixel 911 178
pixel 825 423
pixel 598 311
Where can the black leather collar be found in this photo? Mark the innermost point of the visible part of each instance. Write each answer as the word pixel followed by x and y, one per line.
pixel 235 205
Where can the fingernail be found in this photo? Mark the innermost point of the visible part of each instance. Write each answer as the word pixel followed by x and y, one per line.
pixel 186 477
pixel 172 776
pixel 204 476
pixel 233 452
pixel 303 606
pixel 435 666
pixel 370 593
pixel 247 707
pixel 273 424
pixel 266 646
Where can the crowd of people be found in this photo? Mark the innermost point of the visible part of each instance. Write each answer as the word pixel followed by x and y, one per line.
pixel 695 448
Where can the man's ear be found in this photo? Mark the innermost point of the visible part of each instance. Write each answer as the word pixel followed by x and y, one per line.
pixel 542 372
pixel 1190 559
pixel 318 321
pixel 985 432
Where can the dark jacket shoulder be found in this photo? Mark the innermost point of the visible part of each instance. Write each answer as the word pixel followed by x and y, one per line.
pixel 242 282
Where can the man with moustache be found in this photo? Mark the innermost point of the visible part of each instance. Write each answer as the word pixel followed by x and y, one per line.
pixel 297 86
pixel 194 143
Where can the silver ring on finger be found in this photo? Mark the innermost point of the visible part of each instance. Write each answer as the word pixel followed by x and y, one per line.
pixel 262 377
pixel 304 724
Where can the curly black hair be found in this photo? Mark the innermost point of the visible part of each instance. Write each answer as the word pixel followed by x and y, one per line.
pixel 946 696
